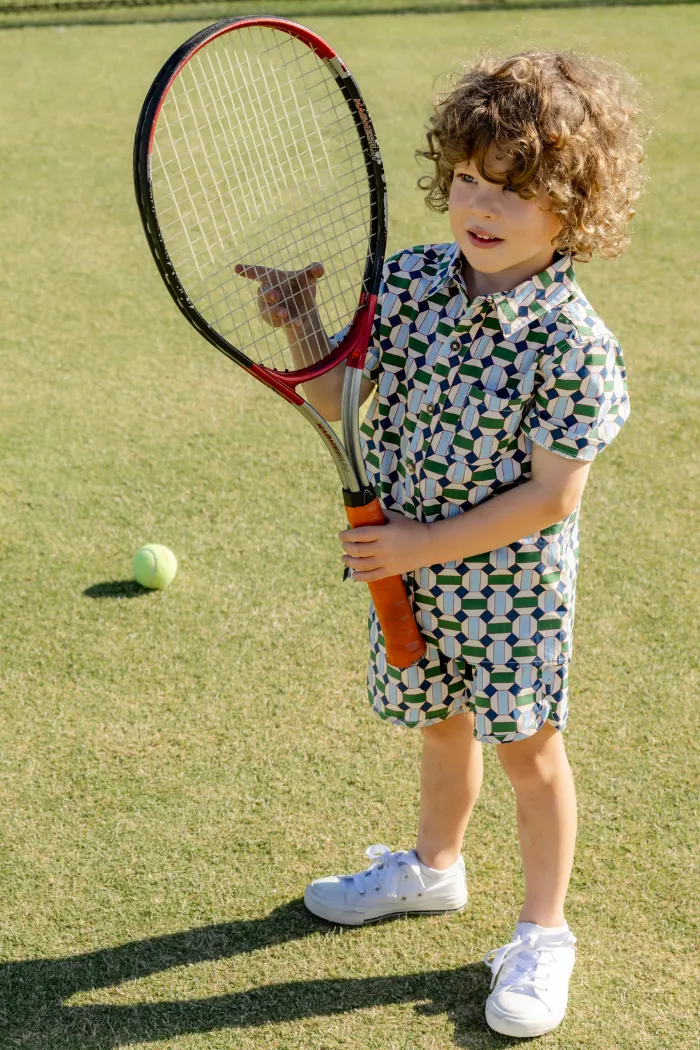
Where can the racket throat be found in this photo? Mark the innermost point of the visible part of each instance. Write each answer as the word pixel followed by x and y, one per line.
pixel 343 463
pixel 346 454
pixel 351 423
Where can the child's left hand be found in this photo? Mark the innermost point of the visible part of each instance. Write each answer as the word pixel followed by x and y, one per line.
pixel 376 551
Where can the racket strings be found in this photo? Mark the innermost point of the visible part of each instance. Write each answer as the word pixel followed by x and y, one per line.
pixel 283 233
pixel 288 226
pixel 285 229
pixel 257 161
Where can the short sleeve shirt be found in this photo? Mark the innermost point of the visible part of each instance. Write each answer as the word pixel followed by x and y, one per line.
pixel 462 392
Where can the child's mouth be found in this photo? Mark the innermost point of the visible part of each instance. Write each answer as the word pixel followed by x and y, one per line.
pixel 481 241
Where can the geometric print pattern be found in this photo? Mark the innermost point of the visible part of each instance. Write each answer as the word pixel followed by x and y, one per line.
pixel 508 703
pixel 462 390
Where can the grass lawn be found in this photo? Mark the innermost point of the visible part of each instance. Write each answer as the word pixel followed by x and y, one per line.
pixel 176 766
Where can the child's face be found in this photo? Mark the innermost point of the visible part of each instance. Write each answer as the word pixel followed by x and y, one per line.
pixel 524 228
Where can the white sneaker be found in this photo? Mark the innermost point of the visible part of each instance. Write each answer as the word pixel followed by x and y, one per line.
pixel 531 975
pixel 395 884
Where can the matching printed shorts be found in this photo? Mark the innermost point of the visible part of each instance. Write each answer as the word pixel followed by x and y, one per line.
pixel 509 702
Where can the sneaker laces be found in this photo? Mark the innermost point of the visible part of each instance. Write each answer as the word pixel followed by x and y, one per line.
pixel 386 872
pixel 525 967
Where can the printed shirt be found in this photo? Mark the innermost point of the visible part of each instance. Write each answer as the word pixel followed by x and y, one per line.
pixel 462 391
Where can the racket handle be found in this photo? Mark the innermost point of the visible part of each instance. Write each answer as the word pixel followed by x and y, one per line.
pixel 404 642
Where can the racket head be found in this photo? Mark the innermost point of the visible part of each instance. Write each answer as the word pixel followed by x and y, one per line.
pixel 254 146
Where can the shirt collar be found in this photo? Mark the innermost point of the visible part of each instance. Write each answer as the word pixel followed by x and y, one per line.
pixel 523 305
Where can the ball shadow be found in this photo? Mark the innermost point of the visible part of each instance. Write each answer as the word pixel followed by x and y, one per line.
pixel 116 589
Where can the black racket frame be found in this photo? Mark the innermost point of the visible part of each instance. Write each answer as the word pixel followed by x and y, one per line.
pixel 146 204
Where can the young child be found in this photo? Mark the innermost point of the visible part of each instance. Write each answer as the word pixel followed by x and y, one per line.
pixel 496 385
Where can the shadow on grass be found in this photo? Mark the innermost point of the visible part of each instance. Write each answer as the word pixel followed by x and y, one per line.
pixel 116 589
pixel 33 993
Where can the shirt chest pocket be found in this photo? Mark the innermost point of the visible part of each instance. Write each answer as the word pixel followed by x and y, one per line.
pixel 484 427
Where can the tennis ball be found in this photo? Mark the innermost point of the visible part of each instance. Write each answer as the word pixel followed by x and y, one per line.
pixel 154 566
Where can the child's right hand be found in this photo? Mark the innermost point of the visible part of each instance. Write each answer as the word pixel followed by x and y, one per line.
pixel 287 298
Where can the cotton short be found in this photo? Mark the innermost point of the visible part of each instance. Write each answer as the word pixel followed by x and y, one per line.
pixel 509 702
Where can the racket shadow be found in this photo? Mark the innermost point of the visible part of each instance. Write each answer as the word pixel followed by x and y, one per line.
pixel 34 992
pixel 116 589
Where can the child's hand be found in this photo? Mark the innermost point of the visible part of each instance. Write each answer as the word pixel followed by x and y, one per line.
pixel 286 298
pixel 376 551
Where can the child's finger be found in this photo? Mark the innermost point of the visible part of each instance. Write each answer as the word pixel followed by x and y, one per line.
pixel 358 550
pixel 369 577
pixel 360 564
pixel 271 316
pixel 313 273
pixel 362 534
pixel 253 273
pixel 278 317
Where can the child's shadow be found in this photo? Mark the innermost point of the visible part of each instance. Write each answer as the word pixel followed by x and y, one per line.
pixel 32 993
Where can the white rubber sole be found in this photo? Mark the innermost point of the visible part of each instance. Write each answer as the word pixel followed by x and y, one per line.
pixel 350 917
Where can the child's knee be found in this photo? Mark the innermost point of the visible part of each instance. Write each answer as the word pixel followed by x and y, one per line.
pixel 447 730
pixel 534 759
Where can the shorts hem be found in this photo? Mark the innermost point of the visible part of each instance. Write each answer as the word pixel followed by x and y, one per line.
pixel 508 703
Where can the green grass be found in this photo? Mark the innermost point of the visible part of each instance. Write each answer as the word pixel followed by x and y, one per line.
pixel 99 12
pixel 176 766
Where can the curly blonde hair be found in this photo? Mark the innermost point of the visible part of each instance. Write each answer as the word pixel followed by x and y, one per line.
pixel 571 124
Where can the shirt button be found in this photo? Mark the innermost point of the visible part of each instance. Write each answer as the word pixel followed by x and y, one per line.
pixel 455 344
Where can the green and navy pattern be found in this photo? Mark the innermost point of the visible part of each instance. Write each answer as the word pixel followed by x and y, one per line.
pixel 509 703
pixel 462 392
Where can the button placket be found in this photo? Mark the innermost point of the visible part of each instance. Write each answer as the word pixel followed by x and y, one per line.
pixel 428 405
pixel 438 395
pixel 413 446
pixel 438 392
pixel 460 331
pixel 451 346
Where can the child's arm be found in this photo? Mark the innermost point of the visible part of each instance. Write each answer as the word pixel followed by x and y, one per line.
pixel 554 490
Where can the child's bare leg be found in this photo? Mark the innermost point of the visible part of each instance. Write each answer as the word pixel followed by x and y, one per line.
pixel 452 768
pixel 541 776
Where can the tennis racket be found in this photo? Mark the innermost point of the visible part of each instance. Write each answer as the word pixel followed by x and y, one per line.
pixel 255 160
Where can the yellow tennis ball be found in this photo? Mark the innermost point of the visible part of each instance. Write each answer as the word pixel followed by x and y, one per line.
pixel 154 566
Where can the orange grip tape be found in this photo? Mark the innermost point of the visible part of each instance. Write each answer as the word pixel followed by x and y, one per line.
pixel 404 642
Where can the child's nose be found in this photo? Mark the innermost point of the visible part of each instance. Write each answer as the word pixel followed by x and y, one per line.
pixel 485 206
pixel 484 202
